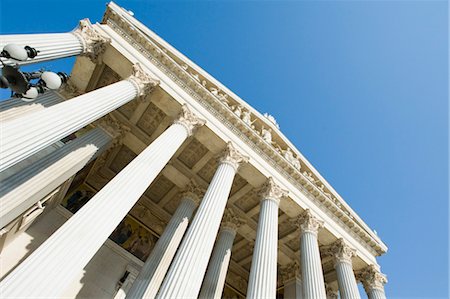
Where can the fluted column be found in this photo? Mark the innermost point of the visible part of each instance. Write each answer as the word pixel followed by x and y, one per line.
pixel 48 270
pixel 373 281
pixel 186 273
pixel 310 262
pixel 13 108
pixel 263 272
pixel 291 278
pixel 342 258
pixel 214 281
pixel 27 135
pixel 84 40
pixel 24 188
pixel 155 268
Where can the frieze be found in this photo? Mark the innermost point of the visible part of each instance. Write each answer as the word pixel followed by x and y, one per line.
pixel 199 88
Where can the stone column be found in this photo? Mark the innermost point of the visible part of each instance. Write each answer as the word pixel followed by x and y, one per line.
pixel 342 258
pixel 48 270
pixel 310 262
pixel 14 108
pixel 291 278
pixel 186 273
pixel 373 281
pixel 85 40
pixel 155 268
pixel 23 189
pixel 263 273
pixel 216 273
pixel 27 135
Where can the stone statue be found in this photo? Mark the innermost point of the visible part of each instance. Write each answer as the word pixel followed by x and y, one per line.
pixel 237 110
pixel 271 119
pixel 247 118
pixel 266 135
pixel 289 155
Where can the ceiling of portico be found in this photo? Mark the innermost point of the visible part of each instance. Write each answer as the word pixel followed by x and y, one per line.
pixel 196 159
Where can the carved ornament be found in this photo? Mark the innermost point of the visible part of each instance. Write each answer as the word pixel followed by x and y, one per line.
pixel 340 251
pixel 290 272
pixel 232 156
pixel 270 190
pixel 231 220
pixel 189 120
pixel 193 192
pixel 94 43
pixel 143 82
pixel 306 222
pixel 372 278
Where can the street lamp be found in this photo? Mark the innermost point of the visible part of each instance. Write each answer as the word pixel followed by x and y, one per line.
pixel 21 83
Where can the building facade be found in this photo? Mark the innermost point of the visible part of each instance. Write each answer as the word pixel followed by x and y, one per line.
pixel 145 177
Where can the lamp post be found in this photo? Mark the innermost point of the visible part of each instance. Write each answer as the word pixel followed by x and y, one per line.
pixel 21 83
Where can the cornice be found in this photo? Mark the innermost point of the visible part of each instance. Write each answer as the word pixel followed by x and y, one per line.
pixel 221 106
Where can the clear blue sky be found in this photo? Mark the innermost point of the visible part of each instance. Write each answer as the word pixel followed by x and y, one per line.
pixel 361 88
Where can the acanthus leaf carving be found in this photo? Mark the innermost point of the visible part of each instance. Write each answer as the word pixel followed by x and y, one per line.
pixel 372 278
pixel 270 190
pixel 232 156
pixel 290 272
pixel 231 220
pixel 340 251
pixel 113 127
pixel 193 192
pixel 144 82
pixel 189 120
pixel 94 43
pixel 306 222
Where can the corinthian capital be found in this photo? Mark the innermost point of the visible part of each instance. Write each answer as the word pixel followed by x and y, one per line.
pixel 272 191
pixel 231 220
pixel 144 82
pixel 94 44
pixel 372 278
pixel 114 128
pixel 193 192
pixel 189 120
pixel 308 223
pixel 232 156
pixel 290 272
pixel 340 251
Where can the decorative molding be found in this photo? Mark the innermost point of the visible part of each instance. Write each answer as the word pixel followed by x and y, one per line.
pixel 189 120
pixel 143 82
pixel 113 128
pixel 230 116
pixel 230 155
pixel 193 192
pixel 270 190
pixel 340 251
pixel 306 222
pixel 290 272
pixel 94 43
pixel 372 278
pixel 231 220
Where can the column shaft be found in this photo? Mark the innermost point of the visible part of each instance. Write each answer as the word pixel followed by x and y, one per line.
pixel 27 135
pixel 376 294
pixel 48 270
pixel 51 46
pixel 348 287
pixel 155 268
pixel 263 272
pixel 23 189
pixel 214 280
pixel 14 108
pixel 293 289
pixel 311 265
pixel 186 273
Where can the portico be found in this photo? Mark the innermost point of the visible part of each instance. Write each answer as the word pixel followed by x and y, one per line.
pixel 170 177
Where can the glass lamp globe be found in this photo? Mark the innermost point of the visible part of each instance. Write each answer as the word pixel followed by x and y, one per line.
pixel 16 52
pixel 51 80
pixel 30 95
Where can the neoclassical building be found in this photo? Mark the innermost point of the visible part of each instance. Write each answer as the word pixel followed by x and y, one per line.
pixel 145 177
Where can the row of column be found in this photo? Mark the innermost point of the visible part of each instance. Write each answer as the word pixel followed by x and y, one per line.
pixel 177 266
